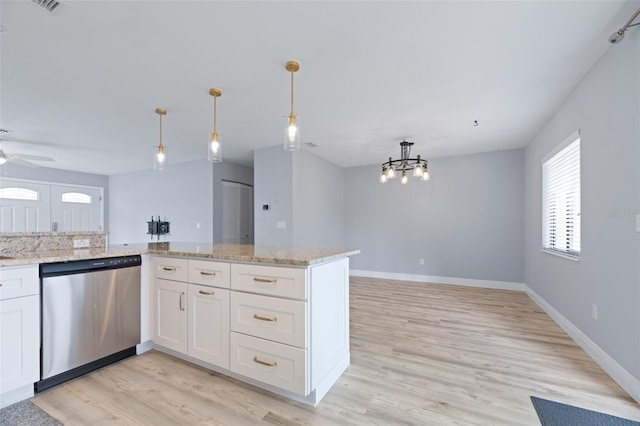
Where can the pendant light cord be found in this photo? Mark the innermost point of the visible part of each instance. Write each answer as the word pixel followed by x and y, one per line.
pixel 215 98
pixel 291 92
pixel 160 130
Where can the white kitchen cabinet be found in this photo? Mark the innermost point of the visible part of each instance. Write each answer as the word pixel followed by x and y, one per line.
pixel 284 328
pixel 208 331
pixel 19 333
pixel 170 308
pixel 192 319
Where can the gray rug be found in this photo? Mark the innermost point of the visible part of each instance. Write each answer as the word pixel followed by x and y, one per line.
pixel 26 413
pixel 553 413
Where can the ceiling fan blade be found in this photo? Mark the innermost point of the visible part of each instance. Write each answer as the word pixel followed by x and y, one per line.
pixel 21 162
pixel 29 157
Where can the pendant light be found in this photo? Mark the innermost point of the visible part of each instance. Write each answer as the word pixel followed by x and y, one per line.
pixel 160 157
pixel 215 148
pixel 292 131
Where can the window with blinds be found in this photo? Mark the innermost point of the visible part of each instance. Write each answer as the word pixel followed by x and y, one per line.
pixel 561 199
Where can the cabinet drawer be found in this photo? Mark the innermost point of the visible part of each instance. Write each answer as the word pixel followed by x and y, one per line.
pixel 270 280
pixel 268 362
pixel 171 269
pixel 18 282
pixel 214 274
pixel 280 320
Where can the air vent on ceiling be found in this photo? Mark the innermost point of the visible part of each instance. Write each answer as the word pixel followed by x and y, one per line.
pixel 50 5
pixel 3 132
pixel 311 145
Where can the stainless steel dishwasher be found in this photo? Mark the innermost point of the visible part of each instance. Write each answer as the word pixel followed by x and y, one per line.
pixel 90 316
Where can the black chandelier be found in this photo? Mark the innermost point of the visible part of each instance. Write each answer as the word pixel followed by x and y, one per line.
pixel 405 164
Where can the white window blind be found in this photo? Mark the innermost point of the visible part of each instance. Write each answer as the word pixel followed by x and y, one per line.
pixel 561 200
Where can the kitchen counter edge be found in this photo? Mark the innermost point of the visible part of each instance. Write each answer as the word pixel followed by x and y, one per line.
pixel 292 256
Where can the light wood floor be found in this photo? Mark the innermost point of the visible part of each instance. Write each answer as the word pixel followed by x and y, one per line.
pixel 421 354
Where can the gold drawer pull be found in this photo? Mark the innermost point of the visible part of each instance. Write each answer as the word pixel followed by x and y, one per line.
pixel 209 274
pixel 208 293
pixel 264 280
pixel 258 317
pixel 268 364
pixel 168 269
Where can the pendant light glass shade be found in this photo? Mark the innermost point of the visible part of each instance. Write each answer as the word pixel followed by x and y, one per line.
pixel 292 131
pixel 160 156
pixel 214 148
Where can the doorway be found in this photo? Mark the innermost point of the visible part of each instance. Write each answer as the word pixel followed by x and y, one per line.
pixel 237 213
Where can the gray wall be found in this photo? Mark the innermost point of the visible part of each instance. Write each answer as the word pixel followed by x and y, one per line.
pixel 184 195
pixel 48 174
pixel 303 190
pixel 605 106
pixel 273 172
pixel 318 202
pixel 466 222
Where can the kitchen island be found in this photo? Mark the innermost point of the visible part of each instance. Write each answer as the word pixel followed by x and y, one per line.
pixel 275 317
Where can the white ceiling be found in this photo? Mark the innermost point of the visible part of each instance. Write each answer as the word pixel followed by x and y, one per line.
pixel 81 84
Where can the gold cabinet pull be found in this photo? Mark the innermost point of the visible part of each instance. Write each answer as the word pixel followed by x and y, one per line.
pixel 209 274
pixel 264 280
pixel 258 317
pixel 180 302
pixel 268 364
pixel 208 293
pixel 168 269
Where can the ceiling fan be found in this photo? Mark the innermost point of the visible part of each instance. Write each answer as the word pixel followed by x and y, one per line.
pixel 21 159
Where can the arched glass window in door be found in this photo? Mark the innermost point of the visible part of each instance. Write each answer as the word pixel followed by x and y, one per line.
pixel 16 193
pixel 76 197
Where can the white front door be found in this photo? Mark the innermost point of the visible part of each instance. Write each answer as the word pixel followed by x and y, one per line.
pixel 76 208
pixel 24 206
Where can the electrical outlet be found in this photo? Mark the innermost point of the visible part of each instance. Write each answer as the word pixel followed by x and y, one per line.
pixel 421 261
pixel 81 243
pixel 594 312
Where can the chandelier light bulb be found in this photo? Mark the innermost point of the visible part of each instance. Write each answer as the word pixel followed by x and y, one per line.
pixel 417 170
pixel 405 179
pixel 425 175
pixel 160 157
pixel 391 173
pixel 383 177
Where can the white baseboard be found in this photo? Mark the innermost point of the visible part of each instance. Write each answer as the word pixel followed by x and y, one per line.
pixel 469 282
pixel 16 395
pixel 619 374
pixel 144 347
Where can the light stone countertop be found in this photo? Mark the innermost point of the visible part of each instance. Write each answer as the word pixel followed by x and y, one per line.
pixel 225 252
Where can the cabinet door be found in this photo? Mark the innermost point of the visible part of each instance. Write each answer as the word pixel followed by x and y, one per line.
pixel 19 342
pixel 170 315
pixel 209 324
